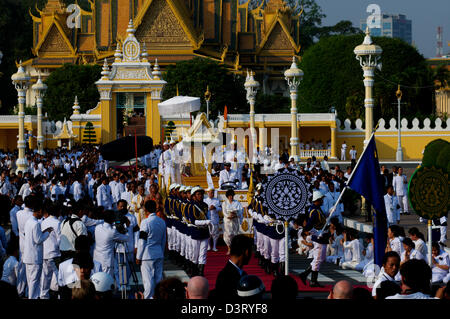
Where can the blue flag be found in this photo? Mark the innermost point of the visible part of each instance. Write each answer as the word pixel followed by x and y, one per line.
pixel 367 181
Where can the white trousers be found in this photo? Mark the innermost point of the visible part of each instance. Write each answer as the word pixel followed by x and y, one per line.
pixel 319 255
pixel 343 158
pixel 22 279
pixel 34 272
pixel 267 247
pixel 182 244
pixel 191 248
pixel 349 265
pixel 200 250
pixel 49 271
pixel 152 274
pixel 403 202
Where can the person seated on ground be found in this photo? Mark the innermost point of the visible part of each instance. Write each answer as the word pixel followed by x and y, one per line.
pixel 171 288
pixel 391 265
pixel 416 276
pixel 341 290
pixel 409 251
pixel 367 252
pixel 284 288
pixel 335 248
pixel 305 244
pixel 250 288
pixel 440 263
pixel 352 250
pixel 197 288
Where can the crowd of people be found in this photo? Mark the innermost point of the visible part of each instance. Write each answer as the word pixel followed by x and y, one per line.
pixel 80 228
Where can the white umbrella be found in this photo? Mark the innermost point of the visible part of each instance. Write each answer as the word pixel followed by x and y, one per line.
pixel 179 105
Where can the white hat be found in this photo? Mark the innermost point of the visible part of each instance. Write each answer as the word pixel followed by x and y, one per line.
pixel 182 188
pixel 317 195
pixel 177 186
pixel 172 186
pixel 102 281
pixel 210 189
pixel 197 189
pixel 165 143
pixel 172 141
pixel 188 188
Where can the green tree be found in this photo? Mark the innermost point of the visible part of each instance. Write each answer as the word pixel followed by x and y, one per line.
pixel 89 135
pixel 332 74
pixel 67 82
pixel 194 75
pixel 266 103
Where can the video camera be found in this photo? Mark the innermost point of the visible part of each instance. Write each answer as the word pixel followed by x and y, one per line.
pixel 120 222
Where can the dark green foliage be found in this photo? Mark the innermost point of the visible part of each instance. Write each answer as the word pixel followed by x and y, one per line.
pixel 272 103
pixel 432 150
pixel 89 135
pixel 67 82
pixel 443 159
pixel 192 78
pixel 333 77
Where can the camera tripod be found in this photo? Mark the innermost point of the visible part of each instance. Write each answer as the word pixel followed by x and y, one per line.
pixel 123 261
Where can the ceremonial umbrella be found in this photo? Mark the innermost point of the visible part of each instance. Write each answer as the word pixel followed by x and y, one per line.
pixel 179 105
pixel 126 148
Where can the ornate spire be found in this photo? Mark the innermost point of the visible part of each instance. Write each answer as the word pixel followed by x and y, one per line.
pixel 76 106
pixel 118 54
pixel 131 29
pixel 156 73
pixel 144 53
pixel 105 70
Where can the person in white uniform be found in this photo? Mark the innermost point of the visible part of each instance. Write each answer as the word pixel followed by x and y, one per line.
pixel 418 240
pixel 232 218
pixel 409 251
pixel 391 266
pixel 227 175
pixel 353 153
pixel 214 208
pixel 335 247
pixel 51 252
pixel 150 249
pixel 343 151
pixel 392 207
pixel 352 251
pixel 11 266
pixel 440 263
pixel 104 197
pixel 106 236
pixel 400 184
pixel 33 254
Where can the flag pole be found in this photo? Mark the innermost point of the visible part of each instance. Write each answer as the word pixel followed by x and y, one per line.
pixel 333 209
pixel 135 149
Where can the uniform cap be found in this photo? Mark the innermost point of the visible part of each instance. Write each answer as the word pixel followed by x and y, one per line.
pixel 182 188
pixel 188 188
pixel 102 281
pixel 210 189
pixel 317 195
pixel 172 186
pixel 197 189
pixel 250 285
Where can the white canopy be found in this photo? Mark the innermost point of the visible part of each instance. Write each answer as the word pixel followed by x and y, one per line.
pixel 179 105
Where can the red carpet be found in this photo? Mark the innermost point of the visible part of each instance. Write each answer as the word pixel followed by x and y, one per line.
pixel 217 260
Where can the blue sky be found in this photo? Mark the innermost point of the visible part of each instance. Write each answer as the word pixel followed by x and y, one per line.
pixel 426 16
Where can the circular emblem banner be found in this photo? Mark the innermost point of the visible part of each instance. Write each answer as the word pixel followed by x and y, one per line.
pixel 429 192
pixel 286 194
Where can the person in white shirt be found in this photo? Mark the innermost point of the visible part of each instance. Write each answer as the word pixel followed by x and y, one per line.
pixel 335 248
pixel 324 164
pixel 392 207
pixel 400 184
pixel 5 185
pixel 137 204
pixel 104 197
pixel 353 153
pixel 214 209
pixel 51 250
pixel 227 175
pixel 409 252
pixel 232 217
pixel 440 263
pixel 352 250
pixel 33 252
pixel 11 266
pixel 106 236
pixel 343 151
pixel 331 198
pixel 418 239
pixel 129 194
pixel 150 249
pixel 55 190
pixel 368 255
pixel 114 192
pixel 394 243
pixel 391 266
pixel 78 186
pixel 415 281
pixel 18 202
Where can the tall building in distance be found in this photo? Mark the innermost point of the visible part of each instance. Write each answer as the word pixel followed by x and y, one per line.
pixel 392 26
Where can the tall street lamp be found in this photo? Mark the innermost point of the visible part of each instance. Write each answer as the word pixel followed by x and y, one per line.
pixel 21 82
pixel 39 88
pixel 207 98
pixel 368 55
pixel 251 86
pixel 399 154
pixel 293 77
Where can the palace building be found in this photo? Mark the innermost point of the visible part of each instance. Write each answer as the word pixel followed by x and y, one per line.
pixel 263 39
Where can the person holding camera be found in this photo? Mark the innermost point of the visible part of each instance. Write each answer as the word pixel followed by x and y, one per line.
pixel 106 236
pixel 128 248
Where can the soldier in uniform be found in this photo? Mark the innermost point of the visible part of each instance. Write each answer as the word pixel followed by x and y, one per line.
pixel 197 215
pixel 255 210
pixel 314 223
pixel 171 232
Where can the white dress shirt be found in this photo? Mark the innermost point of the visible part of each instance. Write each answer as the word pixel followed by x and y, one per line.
pixel 152 247
pixel 105 238
pixel 227 176
pixel 51 245
pixel 33 252
pixel 22 218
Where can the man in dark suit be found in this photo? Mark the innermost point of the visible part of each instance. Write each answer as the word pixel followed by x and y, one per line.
pixel 228 278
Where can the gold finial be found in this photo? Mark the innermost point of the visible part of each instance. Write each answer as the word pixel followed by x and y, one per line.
pixel 398 93
pixel 207 94
pixel 178 93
